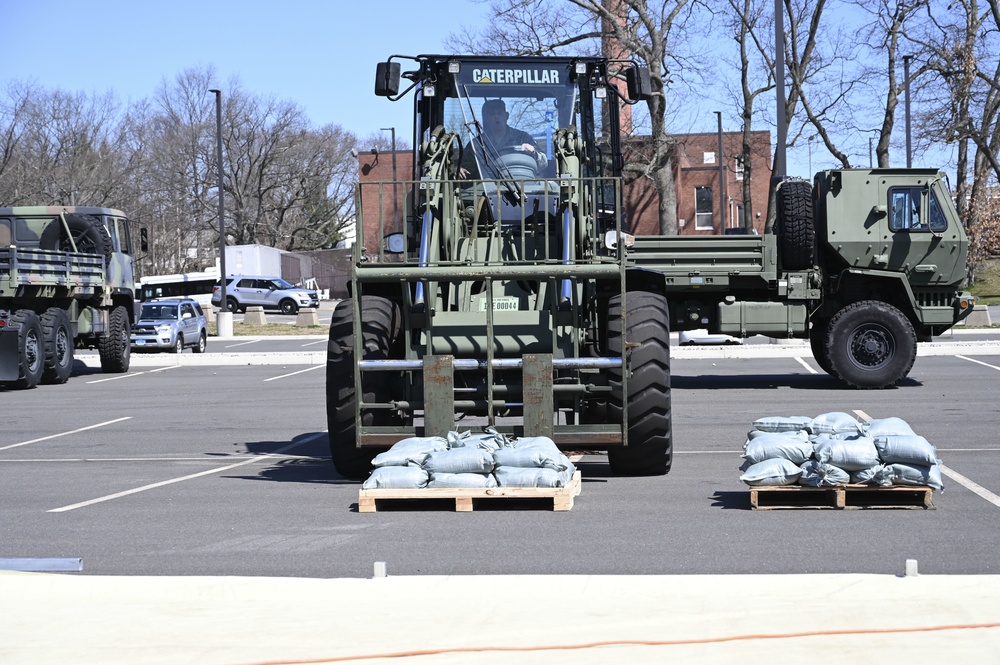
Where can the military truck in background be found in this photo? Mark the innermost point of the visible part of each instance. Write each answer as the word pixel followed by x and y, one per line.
pixel 67 280
pixel 511 290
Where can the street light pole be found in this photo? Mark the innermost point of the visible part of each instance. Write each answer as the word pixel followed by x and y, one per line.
pixel 722 180
pixel 779 88
pixel 906 78
pixel 395 196
pixel 224 321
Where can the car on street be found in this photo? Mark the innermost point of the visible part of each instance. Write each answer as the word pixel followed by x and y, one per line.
pixel 170 324
pixel 244 291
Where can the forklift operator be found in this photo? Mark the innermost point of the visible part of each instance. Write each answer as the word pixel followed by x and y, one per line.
pixel 498 138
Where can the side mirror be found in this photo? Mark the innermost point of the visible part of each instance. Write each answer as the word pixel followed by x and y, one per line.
pixel 387 79
pixel 637 80
pixel 144 240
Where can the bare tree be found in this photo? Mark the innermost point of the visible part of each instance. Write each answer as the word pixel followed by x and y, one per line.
pixel 960 44
pixel 750 25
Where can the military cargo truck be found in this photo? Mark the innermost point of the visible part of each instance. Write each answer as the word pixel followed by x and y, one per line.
pixel 66 281
pixel 863 262
pixel 509 289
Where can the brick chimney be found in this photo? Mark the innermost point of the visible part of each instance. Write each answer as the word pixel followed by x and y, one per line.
pixel 612 48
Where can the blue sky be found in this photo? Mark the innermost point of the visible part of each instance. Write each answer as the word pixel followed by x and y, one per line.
pixel 318 54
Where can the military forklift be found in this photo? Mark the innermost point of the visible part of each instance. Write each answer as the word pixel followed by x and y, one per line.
pixel 504 299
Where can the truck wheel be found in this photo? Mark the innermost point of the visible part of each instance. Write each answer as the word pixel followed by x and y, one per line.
pixel 58 346
pixel 796 234
pixel 30 349
pixel 116 345
pixel 88 232
pixel 232 304
pixel 649 429
pixel 871 345
pixel 178 346
pixel 380 328
pixel 288 306
pixel 818 334
pixel 202 343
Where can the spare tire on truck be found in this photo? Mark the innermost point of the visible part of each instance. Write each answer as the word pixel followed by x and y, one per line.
pixel 796 232
pixel 88 233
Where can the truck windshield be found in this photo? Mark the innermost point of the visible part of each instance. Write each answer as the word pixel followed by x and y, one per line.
pixel 496 109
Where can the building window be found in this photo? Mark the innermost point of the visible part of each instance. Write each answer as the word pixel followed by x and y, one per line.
pixel 703 208
pixel 739 167
pixel 708 158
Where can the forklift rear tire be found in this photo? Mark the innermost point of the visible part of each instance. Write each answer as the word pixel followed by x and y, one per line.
pixel 649 451
pixel 380 328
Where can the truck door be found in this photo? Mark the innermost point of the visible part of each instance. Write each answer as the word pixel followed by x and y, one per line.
pixel 924 242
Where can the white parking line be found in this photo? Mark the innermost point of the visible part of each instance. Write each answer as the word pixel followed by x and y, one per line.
pixel 56 436
pixel 129 375
pixel 285 376
pixel 970 485
pixel 807 365
pixel 318 341
pixel 978 362
pixel 252 341
pixel 209 472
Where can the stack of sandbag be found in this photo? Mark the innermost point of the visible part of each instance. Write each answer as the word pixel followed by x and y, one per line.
pixel 835 449
pixel 467 460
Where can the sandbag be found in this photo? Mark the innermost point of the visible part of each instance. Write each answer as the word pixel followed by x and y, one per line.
pixel 532 457
pixel 888 427
pixel 782 423
pixel 459 480
pixel 879 474
pixel 850 453
pixel 459 460
pixel 489 439
pixel 906 449
pixel 396 478
pixel 835 422
pixel 818 474
pixel 514 476
pixel 412 450
pixel 917 474
pixel 793 446
pixel 772 472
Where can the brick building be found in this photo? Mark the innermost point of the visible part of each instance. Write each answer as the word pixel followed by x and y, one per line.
pixel 696 175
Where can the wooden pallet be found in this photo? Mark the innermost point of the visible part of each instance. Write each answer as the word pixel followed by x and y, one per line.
pixel 561 497
pixel 843 497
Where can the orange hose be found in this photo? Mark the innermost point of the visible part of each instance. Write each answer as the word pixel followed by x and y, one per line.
pixel 652 643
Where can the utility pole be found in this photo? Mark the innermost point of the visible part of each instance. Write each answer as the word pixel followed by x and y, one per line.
pixel 906 79
pixel 722 180
pixel 224 322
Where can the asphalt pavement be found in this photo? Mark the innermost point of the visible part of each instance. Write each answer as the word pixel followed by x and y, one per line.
pixel 537 618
